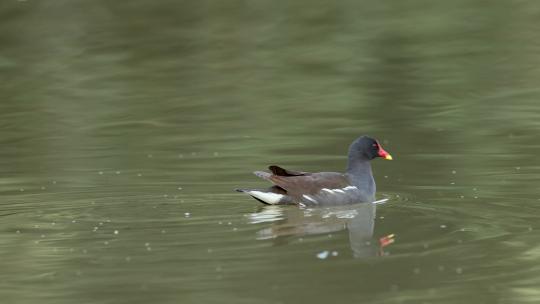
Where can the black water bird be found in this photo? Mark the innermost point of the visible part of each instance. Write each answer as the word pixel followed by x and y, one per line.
pixel 324 188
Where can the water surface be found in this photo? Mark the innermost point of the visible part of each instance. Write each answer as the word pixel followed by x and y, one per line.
pixel 125 126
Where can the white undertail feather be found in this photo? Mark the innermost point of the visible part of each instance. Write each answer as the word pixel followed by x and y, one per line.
pixel 267 197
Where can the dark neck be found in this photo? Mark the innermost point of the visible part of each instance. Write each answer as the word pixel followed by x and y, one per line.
pixel 359 170
pixel 359 167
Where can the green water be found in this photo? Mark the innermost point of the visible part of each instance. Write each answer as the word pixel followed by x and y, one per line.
pixel 125 125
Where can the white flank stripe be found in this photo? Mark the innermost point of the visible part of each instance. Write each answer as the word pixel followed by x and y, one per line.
pixel 267 197
pixel 350 188
pixel 327 190
pixel 310 198
pixel 339 190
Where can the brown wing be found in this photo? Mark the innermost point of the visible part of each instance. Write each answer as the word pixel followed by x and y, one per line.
pixel 311 183
pixel 277 170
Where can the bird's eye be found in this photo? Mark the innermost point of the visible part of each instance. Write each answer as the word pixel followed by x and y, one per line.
pixel 374 145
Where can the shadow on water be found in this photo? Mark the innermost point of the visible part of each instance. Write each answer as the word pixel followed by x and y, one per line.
pixel 287 222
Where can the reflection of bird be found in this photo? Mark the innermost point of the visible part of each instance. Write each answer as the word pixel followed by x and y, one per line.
pixel 358 219
pixel 324 188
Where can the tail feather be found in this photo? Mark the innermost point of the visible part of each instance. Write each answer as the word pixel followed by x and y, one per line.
pixel 271 196
pixel 274 195
pixel 263 175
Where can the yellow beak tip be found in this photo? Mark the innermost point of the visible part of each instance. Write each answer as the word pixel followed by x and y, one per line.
pixel 388 157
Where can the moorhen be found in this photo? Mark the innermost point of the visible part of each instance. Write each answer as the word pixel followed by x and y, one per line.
pixel 324 188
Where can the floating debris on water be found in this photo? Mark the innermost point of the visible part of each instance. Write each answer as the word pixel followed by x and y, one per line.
pixel 381 201
pixel 323 254
pixel 326 253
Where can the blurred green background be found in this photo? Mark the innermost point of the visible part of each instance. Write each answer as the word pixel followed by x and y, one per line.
pixel 124 126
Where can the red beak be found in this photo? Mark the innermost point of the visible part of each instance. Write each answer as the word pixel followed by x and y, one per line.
pixel 384 154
